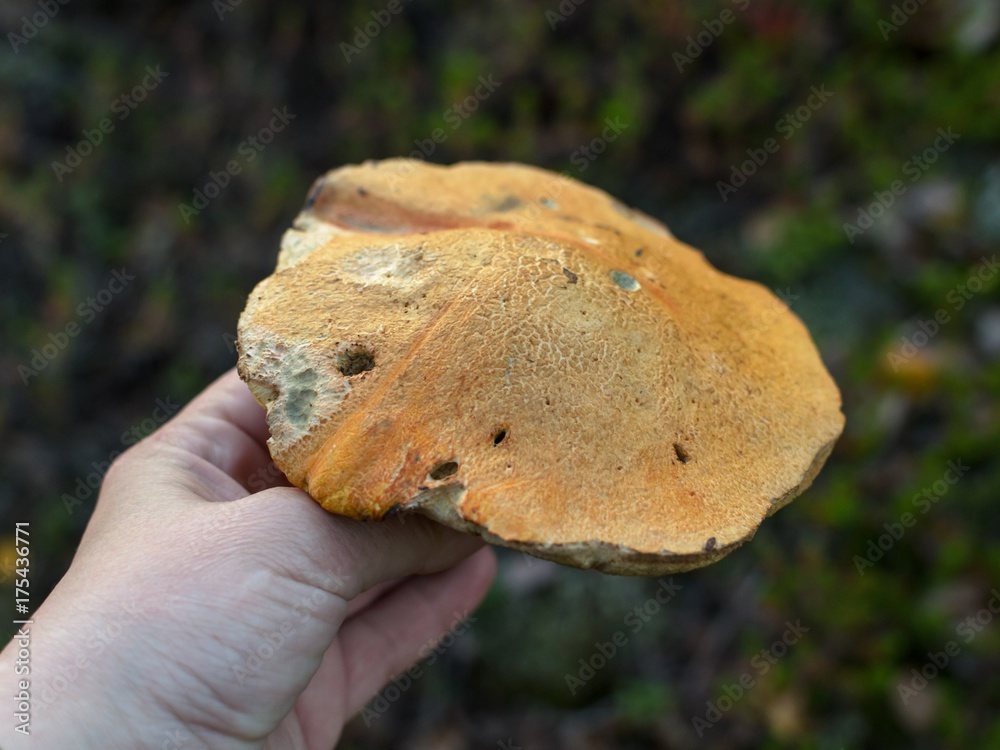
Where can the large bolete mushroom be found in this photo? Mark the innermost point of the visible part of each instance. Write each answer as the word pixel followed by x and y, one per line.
pixel 518 355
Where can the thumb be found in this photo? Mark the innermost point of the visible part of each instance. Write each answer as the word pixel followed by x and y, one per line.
pixel 340 555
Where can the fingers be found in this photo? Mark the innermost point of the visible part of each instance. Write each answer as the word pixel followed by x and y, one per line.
pixel 402 546
pixel 369 597
pixel 229 400
pixel 226 427
pixel 387 637
pixel 407 623
pixel 223 429
pixel 344 556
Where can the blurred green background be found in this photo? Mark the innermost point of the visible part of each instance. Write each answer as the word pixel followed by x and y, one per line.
pixel 695 86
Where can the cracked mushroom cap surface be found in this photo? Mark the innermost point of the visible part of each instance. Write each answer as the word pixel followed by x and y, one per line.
pixel 518 355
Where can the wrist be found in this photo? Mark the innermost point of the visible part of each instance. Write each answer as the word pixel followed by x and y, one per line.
pixel 68 669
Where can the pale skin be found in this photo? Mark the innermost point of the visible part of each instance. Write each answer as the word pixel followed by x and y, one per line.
pixel 197 614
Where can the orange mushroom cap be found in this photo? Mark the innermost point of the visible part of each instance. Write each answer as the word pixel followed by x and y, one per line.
pixel 518 355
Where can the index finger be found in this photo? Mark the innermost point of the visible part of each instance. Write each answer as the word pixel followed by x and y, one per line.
pixel 226 427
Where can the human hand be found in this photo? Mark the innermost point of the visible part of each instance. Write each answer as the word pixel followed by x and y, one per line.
pixel 183 576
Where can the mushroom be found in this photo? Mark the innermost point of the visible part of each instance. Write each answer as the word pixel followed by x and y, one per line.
pixel 518 355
